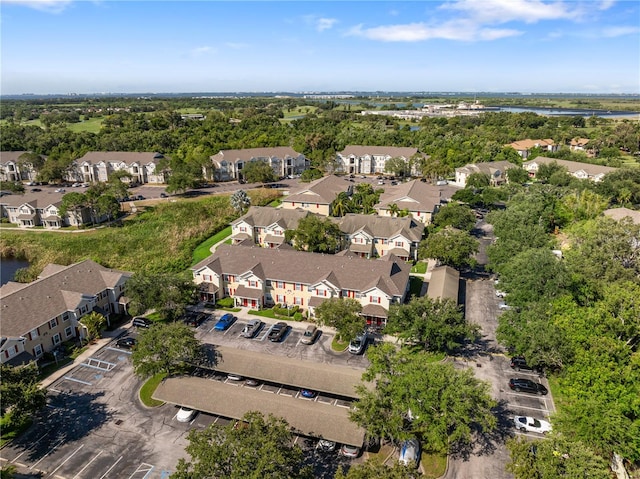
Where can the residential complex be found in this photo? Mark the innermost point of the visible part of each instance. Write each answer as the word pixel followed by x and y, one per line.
pixel 524 147
pixel 369 236
pixel 318 196
pixel 40 208
pixel 494 169
pixel 14 166
pixel 583 171
pixel 284 160
pixel 38 316
pixel 360 159
pixel 415 197
pixel 96 166
pixel 257 277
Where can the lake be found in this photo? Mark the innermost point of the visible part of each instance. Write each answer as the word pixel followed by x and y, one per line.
pixel 8 267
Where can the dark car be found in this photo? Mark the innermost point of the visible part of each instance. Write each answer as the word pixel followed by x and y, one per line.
pixel 278 331
pixel 164 195
pixel 126 343
pixel 527 386
pixel 518 363
pixel 195 319
pixel 35 190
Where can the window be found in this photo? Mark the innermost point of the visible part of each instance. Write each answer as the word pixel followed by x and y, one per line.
pixel 33 334
pixel 374 299
pixel 280 298
pixel 298 301
pixel 53 323
pixel 65 317
pixel 37 350
pixel 68 332
pixel 56 339
pixel 253 284
pixel 280 284
pixel 385 241
pixel 207 277
pixel 399 244
pixel 298 287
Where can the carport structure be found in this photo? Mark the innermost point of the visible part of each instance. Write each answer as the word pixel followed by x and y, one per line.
pixel 308 418
pixel 328 378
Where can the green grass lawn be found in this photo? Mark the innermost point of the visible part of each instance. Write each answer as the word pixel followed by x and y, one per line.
pixel 415 285
pixel 338 345
pixel 420 267
pixel 204 249
pixel 92 125
pixel 433 465
pixel 148 388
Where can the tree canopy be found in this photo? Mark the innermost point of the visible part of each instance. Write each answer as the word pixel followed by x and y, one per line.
pixel 165 348
pixel 456 215
pixel 417 397
pixel 438 325
pixel 258 172
pixel 450 247
pixel 342 314
pixel 167 293
pixel 20 392
pixel 257 448
pixel 315 234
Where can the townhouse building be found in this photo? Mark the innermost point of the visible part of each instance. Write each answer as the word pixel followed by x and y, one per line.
pixel 524 147
pixel 284 161
pixel 15 167
pixel 38 316
pixel 318 196
pixel 96 166
pixel 369 236
pixel 40 209
pixel 420 200
pixel 369 160
pixel 583 171
pixel 257 277
pixel 496 170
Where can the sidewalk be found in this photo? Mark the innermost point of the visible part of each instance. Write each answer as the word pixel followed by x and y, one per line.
pixel 107 337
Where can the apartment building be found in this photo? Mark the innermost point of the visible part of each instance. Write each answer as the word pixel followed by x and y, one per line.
pixel 284 161
pixel 96 166
pixel 369 160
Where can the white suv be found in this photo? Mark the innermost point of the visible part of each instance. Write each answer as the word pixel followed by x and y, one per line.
pixel 359 343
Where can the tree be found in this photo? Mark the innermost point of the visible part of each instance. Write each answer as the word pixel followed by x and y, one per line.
pixel 517 175
pixel 20 392
pixel 373 469
pixel 450 247
pixel 438 325
pixel 181 181
pixel 478 180
pixel 165 348
pixel 107 205
pixel 240 201
pixel 397 166
pixel 340 205
pixel 315 234
pixel 343 315
pixel 74 203
pixel 414 396
pixel 167 293
pixel 310 175
pixel 455 215
pixel 258 172
pixel 94 323
pixel 547 170
pixel 553 458
pixel 262 448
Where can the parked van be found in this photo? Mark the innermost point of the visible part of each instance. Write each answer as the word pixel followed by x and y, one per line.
pixel 140 322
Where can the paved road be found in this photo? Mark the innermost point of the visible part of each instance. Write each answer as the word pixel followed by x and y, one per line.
pixel 487 358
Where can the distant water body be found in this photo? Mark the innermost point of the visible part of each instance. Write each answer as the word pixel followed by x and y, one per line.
pixel 8 267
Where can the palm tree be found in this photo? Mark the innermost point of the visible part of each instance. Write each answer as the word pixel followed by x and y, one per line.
pixel 340 204
pixel 394 209
pixel 239 200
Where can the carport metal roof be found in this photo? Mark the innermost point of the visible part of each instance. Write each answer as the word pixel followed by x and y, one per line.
pixel 309 418
pixel 328 378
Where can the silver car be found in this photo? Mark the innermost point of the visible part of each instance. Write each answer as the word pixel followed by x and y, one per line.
pixel 310 335
pixel 252 328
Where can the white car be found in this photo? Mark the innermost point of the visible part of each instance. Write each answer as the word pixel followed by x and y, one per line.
pixel 504 307
pixel 185 414
pixel 531 424
pixel 325 445
pixel 500 294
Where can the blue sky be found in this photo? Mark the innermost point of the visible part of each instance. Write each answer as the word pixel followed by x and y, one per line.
pixel 51 46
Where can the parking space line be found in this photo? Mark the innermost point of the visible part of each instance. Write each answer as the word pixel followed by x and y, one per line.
pixel 87 465
pixel 530 408
pixel 47 454
pixel 70 378
pixel 109 470
pixel 118 350
pixel 143 467
pixel 68 457
pixel 32 444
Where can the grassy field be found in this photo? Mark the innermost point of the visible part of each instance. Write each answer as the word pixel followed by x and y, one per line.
pixel 204 249
pixel 92 125
pixel 162 238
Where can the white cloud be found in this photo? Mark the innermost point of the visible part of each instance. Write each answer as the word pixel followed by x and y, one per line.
pixel 320 23
pixel 611 32
pixel 237 46
pixel 415 32
pixel 503 11
pixel 606 4
pixel 50 6
pixel 325 24
pixel 199 51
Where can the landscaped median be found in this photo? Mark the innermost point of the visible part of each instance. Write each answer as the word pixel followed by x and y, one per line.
pixel 148 388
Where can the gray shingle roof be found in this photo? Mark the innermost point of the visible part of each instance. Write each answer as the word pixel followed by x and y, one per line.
pixel 413 195
pixel 59 291
pixel 444 283
pixel 322 191
pixel 390 151
pixel 266 216
pixel 350 273
pixel 248 154
pixel 619 213
pixel 39 199
pixel 381 226
pixel 573 166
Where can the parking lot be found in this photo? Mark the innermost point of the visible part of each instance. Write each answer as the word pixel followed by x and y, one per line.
pixel 290 346
pixel 94 427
